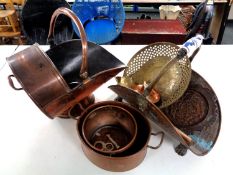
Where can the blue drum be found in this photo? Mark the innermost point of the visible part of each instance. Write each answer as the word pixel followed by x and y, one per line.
pixel 103 20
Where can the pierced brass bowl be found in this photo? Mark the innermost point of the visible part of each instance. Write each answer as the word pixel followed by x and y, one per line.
pixel 148 62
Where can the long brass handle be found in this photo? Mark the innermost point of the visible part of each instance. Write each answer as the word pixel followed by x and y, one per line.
pixel 67 12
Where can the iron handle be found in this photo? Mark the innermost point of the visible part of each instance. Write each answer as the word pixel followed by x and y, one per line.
pixel 11 83
pixel 161 140
pixel 67 12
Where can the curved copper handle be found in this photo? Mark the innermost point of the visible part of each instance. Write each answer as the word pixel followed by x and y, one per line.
pixel 12 83
pixel 67 12
pixel 161 140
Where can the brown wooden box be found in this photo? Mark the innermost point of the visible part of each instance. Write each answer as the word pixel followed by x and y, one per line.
pixel 145 31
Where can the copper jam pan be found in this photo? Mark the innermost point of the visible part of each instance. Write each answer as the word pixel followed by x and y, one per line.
pixel 128 159
pixel 58 79
pixel 109 129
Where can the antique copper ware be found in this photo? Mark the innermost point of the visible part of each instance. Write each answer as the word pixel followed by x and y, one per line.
pixel 152 111
pixel 128 159
pixel 109 129
pixel 198 114
pixel 194 120
pixel 59 79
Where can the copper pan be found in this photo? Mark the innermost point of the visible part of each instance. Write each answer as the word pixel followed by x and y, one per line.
pixel 59 79
pixel 109 129
pixel 128 159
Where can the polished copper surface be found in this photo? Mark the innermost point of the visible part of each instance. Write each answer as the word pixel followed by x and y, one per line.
pixel 58 80
pixel 37 75
pixel 109 129
pixel 78 24
pixel 126 160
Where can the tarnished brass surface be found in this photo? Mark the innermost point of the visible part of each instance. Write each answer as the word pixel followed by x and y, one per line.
pixel 149 61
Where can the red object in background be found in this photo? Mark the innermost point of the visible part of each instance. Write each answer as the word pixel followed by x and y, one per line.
pixel 149 31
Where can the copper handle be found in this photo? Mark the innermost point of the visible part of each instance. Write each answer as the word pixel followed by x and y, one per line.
pixel 11 83
pixel 161 140
pixel 186 138
pixel 67 12
pixel 81 106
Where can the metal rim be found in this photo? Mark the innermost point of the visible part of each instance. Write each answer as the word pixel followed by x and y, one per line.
pixel 109 107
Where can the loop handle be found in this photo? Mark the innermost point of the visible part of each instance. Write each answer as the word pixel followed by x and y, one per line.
pixel 161 141
pixel 67 12
pixel 11 83
pixel 75 111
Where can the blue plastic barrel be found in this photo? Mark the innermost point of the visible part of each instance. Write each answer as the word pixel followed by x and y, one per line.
pixel 103 20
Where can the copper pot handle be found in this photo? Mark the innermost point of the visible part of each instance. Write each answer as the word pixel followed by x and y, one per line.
pixel 161 141
pixel 11 83
pixel 81 106
pixel 67 12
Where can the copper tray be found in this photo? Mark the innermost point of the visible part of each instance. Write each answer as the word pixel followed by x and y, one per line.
pixel 198 134
pixel 197 113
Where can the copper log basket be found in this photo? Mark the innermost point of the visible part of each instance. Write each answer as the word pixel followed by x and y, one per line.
pixel 67 74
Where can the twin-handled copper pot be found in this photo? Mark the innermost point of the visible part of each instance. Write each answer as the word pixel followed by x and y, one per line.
pixel 59 79
pixel 128 158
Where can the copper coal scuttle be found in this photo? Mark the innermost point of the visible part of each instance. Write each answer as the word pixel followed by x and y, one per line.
pixel 158 84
